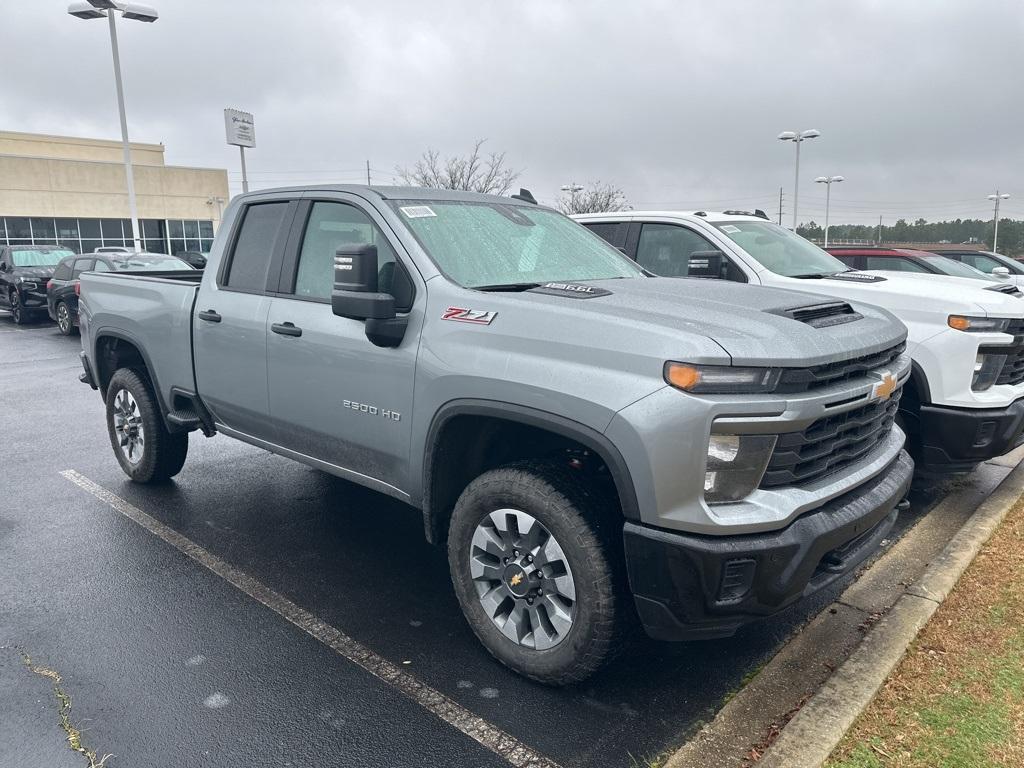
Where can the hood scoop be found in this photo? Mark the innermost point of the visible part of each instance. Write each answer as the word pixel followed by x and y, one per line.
pixel 823 315
pixel 1009 289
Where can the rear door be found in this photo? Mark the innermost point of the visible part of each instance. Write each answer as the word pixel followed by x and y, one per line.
pixel 334 396
pixel 230 320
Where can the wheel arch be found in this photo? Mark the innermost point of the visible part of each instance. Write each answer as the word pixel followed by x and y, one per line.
pixel 462 432
pixel 114 349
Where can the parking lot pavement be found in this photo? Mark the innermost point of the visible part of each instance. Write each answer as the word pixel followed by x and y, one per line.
pixel 163 657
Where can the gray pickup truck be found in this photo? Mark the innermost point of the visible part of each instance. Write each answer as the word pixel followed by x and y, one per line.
pixel 594 444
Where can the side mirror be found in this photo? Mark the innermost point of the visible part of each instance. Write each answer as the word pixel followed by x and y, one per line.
pixel 1001 272
pixel 356 295
pixel 709 264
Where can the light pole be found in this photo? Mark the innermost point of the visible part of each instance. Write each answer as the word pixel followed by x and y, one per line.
pixel 97 9
pixel 828 181
pixel 798 138
pixel 995 235
pixel 572 189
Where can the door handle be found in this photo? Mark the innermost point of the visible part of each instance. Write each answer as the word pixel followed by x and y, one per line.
pixel 286 329
pixel 209 316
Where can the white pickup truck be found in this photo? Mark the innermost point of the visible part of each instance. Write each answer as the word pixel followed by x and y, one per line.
pixel 965 401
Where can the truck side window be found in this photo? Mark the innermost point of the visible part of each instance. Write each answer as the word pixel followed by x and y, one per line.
pixel 250 260
pixel 613 232
pixel 893 264
pixel 666 250
pixel 330 226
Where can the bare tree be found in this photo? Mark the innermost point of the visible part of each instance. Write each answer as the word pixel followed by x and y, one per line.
pixel 474 172
pixel 597 197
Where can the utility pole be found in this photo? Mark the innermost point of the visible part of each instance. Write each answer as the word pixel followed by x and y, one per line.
pixel 995 233
pixel 780 206
pixel 368 173
pixel 878 240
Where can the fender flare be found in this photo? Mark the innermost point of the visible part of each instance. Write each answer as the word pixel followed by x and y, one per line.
pixel 590 438
pixel 126 336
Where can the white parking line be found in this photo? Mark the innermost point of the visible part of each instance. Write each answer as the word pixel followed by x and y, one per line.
pixel 478 729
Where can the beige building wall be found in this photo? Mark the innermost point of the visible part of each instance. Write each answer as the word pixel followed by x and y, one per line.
pixel 70 177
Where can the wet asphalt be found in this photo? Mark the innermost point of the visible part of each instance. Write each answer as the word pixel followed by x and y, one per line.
pixel 166 663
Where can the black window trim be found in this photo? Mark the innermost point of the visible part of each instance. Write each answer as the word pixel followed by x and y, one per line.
pixel 277 249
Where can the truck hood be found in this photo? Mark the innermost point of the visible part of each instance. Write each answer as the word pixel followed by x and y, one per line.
pixel 33 273
pixel 950 295
pixel 688 319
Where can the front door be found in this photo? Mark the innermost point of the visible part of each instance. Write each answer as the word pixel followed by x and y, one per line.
pixel 334 396
pixel 230 322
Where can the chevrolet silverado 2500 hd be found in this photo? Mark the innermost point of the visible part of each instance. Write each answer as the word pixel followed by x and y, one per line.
pixel 965 401
pixel 592 442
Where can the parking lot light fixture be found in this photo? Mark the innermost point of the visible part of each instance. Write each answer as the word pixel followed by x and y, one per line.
pixel 995 215
pixel 798 138
pixel 98 9
pixel 828 181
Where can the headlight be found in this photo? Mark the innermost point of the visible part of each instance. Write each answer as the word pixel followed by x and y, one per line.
pixel 978 324
pixel 721 379
pixel 987 368
pixel 735 465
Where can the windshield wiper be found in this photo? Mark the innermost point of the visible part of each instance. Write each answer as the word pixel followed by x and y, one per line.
pixel 508 287
pixel 813 275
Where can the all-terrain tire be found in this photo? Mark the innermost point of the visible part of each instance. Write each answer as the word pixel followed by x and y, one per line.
pixel 586 523
pixel 162 453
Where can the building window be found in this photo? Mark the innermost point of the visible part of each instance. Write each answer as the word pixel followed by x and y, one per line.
pixel 85 235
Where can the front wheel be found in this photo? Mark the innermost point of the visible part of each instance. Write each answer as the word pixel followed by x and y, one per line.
pixel 17 311
pixel 533 565
pixel 146 451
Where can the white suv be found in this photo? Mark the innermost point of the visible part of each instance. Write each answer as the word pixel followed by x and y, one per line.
pixel 965 402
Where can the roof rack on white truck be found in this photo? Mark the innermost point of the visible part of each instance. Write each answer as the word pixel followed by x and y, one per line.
pixel 965 402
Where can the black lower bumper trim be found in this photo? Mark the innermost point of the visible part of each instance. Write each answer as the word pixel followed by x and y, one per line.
pixel 689 587
pixel 956 439
pixel 86 376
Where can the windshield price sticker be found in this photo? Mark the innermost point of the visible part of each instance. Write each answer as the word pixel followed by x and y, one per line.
pixel 417 211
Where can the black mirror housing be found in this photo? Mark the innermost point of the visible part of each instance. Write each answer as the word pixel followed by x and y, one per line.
pixel 711 264
pixel 355 293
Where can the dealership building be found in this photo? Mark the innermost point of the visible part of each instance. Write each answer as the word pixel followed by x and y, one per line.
pixel 73 192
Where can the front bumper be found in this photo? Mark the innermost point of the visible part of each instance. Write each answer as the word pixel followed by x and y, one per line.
pixel 956 439
pixel 33 299
pixel 689 587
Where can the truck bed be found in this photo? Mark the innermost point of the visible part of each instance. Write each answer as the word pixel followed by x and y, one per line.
pixel 153 311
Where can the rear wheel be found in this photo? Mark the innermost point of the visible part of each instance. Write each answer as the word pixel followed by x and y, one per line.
pixel 146 451
pixel 64 319
pixel 531 559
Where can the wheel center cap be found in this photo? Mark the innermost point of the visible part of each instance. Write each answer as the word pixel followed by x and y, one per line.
pixel 516 580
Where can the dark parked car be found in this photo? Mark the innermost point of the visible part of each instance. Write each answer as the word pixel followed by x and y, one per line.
pixel 24 271
pixel 196 258
pixel 62 292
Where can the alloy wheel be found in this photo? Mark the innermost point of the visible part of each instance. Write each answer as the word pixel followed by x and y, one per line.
pixel 131 435
pixel 522 579
pixel 63 318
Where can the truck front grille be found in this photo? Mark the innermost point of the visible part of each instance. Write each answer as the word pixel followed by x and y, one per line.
pixel 815 377
pixel 830 443
pixel 1013 368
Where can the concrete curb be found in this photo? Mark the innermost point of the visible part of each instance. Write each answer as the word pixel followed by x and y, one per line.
pixel 809 738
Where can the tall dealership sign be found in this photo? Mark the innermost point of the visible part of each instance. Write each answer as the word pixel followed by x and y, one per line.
pixel 241 132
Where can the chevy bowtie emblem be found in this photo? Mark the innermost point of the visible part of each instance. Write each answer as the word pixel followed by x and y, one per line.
pixel 516 579
pixel 885 387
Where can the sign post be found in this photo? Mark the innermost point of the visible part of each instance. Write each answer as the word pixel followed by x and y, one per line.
pixel 240 131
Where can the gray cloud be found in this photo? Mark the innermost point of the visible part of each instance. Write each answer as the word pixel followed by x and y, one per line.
pixel 677 102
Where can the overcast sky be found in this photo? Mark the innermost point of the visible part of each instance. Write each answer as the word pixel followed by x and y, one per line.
pixel 919 102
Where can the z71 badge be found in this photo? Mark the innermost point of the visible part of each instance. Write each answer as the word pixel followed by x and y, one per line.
pixel 478 316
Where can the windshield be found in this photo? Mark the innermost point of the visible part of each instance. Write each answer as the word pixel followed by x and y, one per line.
pixel 42 257
pixel 957 269
pixel 780 250
pixel 492 245
pixel 168 264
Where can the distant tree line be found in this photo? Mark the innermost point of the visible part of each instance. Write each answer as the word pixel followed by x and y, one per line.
pixel 1011 232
